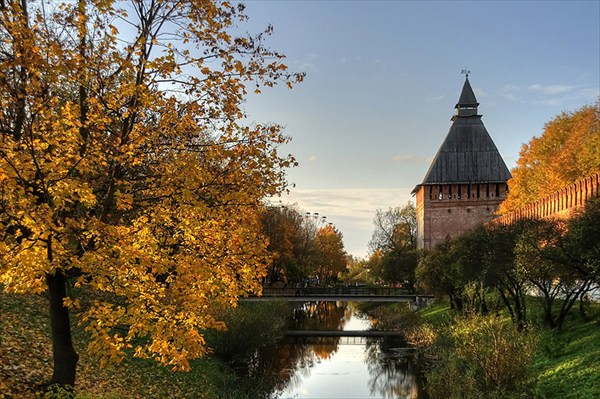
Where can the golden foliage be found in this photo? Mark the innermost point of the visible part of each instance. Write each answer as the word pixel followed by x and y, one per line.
pixel 567 150
pixel 332 255
pixel 123 164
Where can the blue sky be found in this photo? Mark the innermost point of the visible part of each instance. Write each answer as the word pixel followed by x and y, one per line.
pixel 383 78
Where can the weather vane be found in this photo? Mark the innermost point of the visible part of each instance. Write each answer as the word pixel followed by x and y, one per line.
pixel 465 72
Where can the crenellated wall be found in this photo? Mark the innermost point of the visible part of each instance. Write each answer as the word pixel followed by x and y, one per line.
pixel 560 204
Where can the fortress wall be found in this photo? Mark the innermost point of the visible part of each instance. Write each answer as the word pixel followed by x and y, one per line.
pixel 560 204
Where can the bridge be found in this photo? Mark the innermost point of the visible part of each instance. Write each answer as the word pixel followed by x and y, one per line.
pixel 356 294
pixel 342 333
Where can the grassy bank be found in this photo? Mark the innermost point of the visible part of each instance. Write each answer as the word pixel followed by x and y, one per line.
pixel 26 360
pixel 566 364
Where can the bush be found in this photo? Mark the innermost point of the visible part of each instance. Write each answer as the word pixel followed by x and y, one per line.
pixel 489 357
pixel 249 326
pixel 396 317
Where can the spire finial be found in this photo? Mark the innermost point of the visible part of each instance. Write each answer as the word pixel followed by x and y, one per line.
pixel 465 72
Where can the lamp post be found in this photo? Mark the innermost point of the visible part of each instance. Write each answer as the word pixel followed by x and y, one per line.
pixel 319 220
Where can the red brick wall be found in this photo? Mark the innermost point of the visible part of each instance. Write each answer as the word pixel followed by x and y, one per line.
pixel 560 204
pixel 447 211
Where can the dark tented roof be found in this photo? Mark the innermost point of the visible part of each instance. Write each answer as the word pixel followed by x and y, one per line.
pixel 467 97
pixel 468 154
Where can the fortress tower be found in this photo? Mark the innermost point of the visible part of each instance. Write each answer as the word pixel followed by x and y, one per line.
pixel 466 181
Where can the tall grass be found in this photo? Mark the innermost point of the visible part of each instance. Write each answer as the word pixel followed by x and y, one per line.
pixel 470 357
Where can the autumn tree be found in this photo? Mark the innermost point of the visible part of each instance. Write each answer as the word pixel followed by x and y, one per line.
pixel 395 235
pixel 438 274
pixel 331 255
pixel 285 228
pixel 125 169
pixel 553 268
pixel 470 266
pixel 357 269
pixel 583 238
pixel 567 150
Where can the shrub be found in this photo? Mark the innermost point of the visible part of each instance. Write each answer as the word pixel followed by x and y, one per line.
pixel 397 317
pixel 249 327
pixel 488 356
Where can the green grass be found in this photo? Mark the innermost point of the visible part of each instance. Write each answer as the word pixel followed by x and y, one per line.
pixel 567 362
pixel 26 363
pixel 437 314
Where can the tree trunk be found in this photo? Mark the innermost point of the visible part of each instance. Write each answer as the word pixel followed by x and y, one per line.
pixel 520 309
pixel 507 304
pixel 582 302
pixel 65 357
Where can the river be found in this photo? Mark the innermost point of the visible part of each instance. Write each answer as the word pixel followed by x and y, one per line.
pixel 319 367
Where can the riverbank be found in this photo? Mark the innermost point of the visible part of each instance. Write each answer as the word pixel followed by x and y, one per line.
pixel 26 360
pixel 566 363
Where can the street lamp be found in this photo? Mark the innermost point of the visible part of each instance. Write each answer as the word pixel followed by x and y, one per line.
pixel 320 220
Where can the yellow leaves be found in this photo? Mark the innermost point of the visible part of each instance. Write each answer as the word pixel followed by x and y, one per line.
pixel 71 303
pixel 136 169
pixel 124 201
pixel 3 175
pixel 566 151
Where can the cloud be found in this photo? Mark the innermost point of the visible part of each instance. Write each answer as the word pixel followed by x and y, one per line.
pixel 551 89
pixel 312 158
pixel 510 91
pixel 511 87
pixel 308 63
pixel 550 95
pixel 479 92
pixel 412 158
pixel 350 209
pixel 562 95
pixel 305 66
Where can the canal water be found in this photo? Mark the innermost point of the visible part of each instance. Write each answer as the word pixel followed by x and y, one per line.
pixel 320 367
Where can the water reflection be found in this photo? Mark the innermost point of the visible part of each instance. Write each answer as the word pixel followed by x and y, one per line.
pixel 328 367
pixel 392 369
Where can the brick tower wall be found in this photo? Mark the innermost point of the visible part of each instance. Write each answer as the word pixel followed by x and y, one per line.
pixel 447 211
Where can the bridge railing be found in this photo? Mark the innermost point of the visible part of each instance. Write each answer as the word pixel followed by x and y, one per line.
pixel 333 291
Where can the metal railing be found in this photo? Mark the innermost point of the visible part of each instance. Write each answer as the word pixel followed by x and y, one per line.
pixel 334 291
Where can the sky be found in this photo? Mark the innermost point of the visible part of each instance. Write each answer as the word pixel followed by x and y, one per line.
pixel 383 78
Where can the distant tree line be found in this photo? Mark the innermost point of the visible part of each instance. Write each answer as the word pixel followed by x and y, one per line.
pixel 304 248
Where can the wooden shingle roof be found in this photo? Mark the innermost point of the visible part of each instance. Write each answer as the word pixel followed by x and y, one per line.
pixel 468 154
